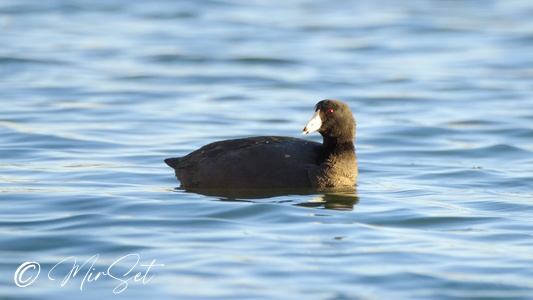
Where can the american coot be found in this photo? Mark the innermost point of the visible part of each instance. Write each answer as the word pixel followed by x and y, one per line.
pixel 276 161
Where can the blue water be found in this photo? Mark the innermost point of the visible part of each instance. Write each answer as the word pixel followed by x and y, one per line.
pixel 95 94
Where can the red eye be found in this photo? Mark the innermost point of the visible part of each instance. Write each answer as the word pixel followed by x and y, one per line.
pixel 330 111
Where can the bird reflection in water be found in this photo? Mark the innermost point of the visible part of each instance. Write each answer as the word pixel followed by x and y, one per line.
pixel 328 198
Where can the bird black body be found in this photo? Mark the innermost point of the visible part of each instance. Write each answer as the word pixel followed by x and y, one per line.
pixel 275 161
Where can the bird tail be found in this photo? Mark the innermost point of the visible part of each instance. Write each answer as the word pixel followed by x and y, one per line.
pixel 173 162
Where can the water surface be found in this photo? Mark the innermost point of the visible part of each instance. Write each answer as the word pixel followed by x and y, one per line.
pixel 95 94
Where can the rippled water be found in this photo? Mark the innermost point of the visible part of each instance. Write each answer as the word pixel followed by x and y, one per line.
pixel 95 94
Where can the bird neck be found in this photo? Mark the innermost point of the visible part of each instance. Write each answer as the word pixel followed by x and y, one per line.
pixel 334 145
